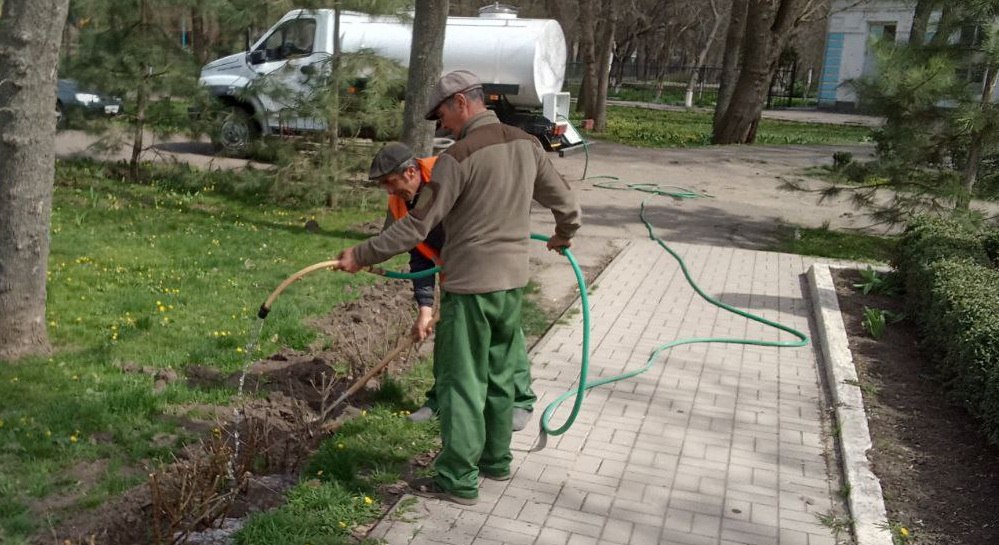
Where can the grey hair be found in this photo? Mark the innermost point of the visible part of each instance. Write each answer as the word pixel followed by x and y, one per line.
pixel 475 95
pixel 411 162
pixel 472 95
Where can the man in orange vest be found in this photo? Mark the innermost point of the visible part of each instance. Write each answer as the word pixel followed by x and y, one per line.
pixel 403 176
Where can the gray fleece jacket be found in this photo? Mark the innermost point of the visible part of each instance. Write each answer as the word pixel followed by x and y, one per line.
pixel 481 189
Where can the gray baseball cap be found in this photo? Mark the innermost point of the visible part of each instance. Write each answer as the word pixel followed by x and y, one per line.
pixel 450 84
pixel 389 159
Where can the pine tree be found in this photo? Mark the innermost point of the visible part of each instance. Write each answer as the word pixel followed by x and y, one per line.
pixel 941 123
pixel 128 46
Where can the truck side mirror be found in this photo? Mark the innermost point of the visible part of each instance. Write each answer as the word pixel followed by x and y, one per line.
pixel 257 57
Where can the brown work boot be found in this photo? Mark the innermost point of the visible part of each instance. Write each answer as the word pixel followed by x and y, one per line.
pixel 495 476
pixel 428 488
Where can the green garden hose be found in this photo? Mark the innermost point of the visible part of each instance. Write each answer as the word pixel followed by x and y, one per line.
pixel 584 385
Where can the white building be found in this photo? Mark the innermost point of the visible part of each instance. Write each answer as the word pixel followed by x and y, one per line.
pixel 853 26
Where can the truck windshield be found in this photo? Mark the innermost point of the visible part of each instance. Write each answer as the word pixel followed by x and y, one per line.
pixel 292 39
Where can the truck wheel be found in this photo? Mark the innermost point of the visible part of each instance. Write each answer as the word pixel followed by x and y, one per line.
pixel 236 131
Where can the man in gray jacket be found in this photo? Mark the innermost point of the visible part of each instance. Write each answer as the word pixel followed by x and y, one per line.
pixel 481 189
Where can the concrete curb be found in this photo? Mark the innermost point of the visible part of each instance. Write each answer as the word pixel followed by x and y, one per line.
pixel 867 507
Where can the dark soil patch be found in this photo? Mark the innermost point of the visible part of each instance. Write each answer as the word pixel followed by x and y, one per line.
pixel 940 477
pixel 278 428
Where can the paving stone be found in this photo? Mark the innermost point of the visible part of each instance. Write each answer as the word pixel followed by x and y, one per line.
pixel 715 445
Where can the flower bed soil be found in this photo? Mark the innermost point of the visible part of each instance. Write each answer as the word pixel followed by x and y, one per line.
pixel 940 477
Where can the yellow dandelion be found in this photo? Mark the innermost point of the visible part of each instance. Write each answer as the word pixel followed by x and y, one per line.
pixel 903 531
pixel 364 413
pixel 339 446
pixel 239 350
pixel 73 439
pixel 343 524
pixel 368 501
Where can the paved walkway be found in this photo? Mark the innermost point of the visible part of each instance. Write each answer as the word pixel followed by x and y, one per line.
pixel 718 444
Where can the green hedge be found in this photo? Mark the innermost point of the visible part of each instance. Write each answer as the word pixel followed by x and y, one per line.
pixel 952 291
pixel 927 240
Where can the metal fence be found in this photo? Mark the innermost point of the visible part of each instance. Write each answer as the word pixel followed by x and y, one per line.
pixel 785 89
pixel 648 72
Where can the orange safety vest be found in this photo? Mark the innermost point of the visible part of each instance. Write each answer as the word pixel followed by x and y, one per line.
pixel 397 206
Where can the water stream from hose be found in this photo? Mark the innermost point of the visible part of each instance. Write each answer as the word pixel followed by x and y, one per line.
pixel 250 348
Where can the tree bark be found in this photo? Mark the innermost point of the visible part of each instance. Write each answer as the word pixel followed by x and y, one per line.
pixel 29 54
pixel 425 65
pixel 702 57
pixel 948 23
pixel 199 37
pixel 769 27
pixel 599 113
pixel 978 140
pixel 733 54
pixel 557 11
pixel 920 20
pixel 141 101
pixel 588 52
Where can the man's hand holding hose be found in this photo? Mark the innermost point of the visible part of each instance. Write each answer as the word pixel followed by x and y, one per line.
pixel 558 244
pixel 347 261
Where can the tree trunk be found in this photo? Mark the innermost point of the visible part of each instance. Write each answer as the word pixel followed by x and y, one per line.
pixel 769 27
pixel 948 23
pixel 425 66
pixel 588 53
pixel 733 54
pixel 199 38
pixel 29 53
pixel 606 48
pixel 605 52
pixel 970 174
pixel 557 11
pixel 141 101
pixel 920 20
pixel 333 130
pixel 702 57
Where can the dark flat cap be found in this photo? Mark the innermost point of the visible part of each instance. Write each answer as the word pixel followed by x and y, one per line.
pixel 388 159
pixel 450 84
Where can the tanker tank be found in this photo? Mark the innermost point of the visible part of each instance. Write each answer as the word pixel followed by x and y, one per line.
pixel 529 54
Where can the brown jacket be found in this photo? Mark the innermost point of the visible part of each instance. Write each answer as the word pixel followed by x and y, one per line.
pixel 481 189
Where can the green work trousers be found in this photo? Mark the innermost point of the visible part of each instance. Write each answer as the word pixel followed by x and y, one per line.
pixel 523 395
pixel 478 347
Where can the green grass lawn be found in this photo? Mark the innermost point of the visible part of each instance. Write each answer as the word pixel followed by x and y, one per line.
pixel 156 277
pixel 669 129
pixel 170 273
pixel 836 244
